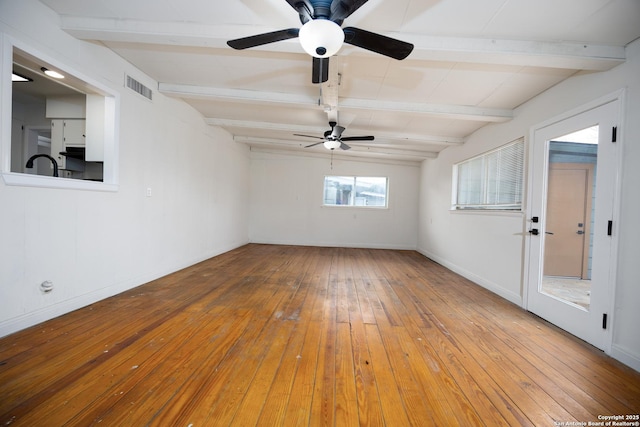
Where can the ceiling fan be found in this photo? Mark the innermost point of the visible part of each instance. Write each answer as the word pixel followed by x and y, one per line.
pixel 321 35
pixel 333 138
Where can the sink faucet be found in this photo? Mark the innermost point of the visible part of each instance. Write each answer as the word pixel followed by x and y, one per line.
pixel 32 158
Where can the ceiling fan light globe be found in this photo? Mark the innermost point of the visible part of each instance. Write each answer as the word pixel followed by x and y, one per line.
pixel 331 144
pixel 321 38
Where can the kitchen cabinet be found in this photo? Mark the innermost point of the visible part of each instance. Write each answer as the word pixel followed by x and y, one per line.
pixel 67 133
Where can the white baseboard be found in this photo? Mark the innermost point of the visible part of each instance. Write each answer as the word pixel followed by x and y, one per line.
pixel 618 353
pixel 334 245
pixel 27 320
pixel 35 317
pixel 509 296
pixel 622 355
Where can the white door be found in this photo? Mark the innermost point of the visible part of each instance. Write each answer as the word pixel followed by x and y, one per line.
pixel 572 191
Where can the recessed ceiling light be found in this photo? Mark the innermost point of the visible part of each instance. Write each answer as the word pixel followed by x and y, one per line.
pixel 51 73
pixel 15 77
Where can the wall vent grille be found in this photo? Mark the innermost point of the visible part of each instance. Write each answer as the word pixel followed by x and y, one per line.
pixel 138 87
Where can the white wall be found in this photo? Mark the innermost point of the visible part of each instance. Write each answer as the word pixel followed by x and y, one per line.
pixel 95 244
pixel 287 196
pixel 210 195
pixel 489 248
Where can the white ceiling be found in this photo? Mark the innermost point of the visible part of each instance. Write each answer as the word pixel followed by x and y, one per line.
pixel 473 63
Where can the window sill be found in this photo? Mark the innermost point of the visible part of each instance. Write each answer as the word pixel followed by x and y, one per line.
pixel 27 180
pixel 492 212
pixel 354 207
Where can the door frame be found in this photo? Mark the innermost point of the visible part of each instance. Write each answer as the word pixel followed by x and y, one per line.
pixel 617 97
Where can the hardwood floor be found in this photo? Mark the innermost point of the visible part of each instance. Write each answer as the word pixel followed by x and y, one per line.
pixel 280 335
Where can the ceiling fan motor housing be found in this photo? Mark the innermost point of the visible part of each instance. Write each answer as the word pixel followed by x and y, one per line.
pixel 333 138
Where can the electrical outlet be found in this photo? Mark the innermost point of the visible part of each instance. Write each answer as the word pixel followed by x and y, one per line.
pixel 46 286
pixel 148 191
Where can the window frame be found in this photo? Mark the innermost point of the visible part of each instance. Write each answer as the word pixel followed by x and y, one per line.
pixel 352 206
pixel 484 206
pixel 111 123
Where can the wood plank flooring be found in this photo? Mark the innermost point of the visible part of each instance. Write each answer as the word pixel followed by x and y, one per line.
pixel 303 336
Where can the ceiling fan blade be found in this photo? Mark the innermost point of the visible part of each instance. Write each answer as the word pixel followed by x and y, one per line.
pixel 336 132
pixel 378 43
pixel 358 138
pixel 313 145
pixel 265 38
pixel 320 72
pixel 342 9
pixel 309 136
pixel 344 146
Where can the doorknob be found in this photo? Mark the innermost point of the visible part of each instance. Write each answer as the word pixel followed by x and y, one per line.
pixel 534 231
pixel 579 232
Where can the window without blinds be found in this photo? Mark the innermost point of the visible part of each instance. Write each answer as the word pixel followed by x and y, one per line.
pixel 492 180
pixel 362 191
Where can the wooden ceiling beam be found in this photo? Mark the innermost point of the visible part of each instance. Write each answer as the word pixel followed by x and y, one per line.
pixel 535 53
pixel 315 130
pixel 460 112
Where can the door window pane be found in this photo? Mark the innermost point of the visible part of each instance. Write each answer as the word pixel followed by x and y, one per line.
pixel 568 238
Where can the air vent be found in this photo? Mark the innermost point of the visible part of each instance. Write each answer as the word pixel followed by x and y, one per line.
pixel 138 87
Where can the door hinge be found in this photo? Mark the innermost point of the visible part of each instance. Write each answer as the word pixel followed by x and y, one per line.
pixel 604 320
pixel 614 134
pixel 609 227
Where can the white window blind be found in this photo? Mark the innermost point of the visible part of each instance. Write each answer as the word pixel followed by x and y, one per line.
pixel 492 180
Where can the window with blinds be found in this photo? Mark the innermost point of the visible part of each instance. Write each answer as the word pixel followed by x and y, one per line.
pixel 492 180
